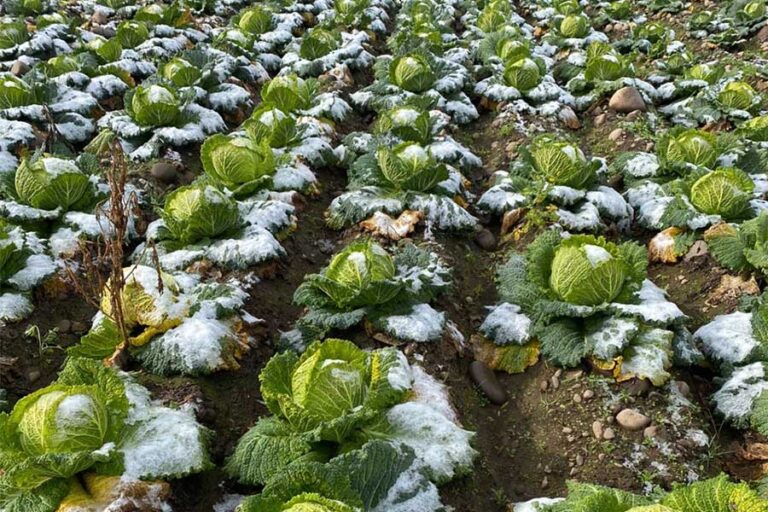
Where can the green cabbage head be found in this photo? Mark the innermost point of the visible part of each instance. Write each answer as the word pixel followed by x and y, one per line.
pixel 61 64
pixel 107 50
pixel 691 146
pixel 363 274
pixel 737 95
pixel 144 303
pixel 256 20
pixel 15 92
pixel 289 93
pixel 181 72
pixel 12 34
pixel 318 43
pixel 725 192
pixel 131 34
pixel 409 166
pixel 561 162
pixel 710 73
pixel 193 213
pixel 407 123
pixel 574 26
pixel 522 74
pixel 755 129
pixel 511 49
pixel 239 163
pixel 49 183
pixel 588 271
pixel 153 105
pixel 604 63
pixel 412 72
pixel 273 125
pixel 494 16
pixel 754 10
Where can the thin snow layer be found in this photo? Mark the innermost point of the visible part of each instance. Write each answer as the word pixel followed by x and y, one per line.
pixel 74 410
pixel 609 202
pixel 735 398
pixel 654 306
pixel 507 324
pixel 585 218
pixel 166 443
pixel 228 503
pixel 196 344
pixel 38 267
pixel 14 307
pixel 400 376
pixel 650 356
pixel 410 492
pixel 728 338
pixel 642 165
pixel 429 391
pixel 442 212
pixel 596 255
pixel 423 323
pixel 612 336
pixel 535 504
pixel 256 245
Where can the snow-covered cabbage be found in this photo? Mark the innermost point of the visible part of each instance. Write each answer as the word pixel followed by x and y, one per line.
pixel 238 163
pixel 48 183
pixel 561 162
pixel 153 105
pixel 195 212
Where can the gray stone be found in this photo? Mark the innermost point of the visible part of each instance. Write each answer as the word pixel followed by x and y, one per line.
pixel 626 100
pixel 632 419
pixel 165 172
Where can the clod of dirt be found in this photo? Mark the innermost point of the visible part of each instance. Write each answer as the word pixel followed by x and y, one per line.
pixel 164 172
pixel 632 419
pixel 627 99
pixel 486 379
pixel 486 240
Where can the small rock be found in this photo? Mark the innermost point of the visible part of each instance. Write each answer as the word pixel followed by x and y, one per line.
pixel 609 28
pixel 697 250
pixel 588 395
pixel 574 375
pixel 626 100
pixel 634 115
pixel 573 471
pixel 684 388
pixel 600 120
pixel 597 429
pixel 64 326
pixel 543 385
pixel 164 172
pixel 616 134
pixel 33 375
pixel 555 382
pixel 78 327
pixel 608 434
pixel 577 398
pixel 545 483
pixel 571 439
pixel 601 457
pixel 567 430
pixel 99 17
pixel 632 419
pixel 579 460
pixel 489 384
pixel 762 35
pixel 568 117
pixel 638 387
pixel 649 146
pixel 651 432
pixel 486 240
pixel 19 68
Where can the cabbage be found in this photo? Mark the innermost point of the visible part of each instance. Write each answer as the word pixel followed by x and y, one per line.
pixel 494 16
pixel 604 63
pixel 754 10
pixel 360 275
pixel 107 50
pixel 724 192
pixel 318 43
pixel 57 66
pixel 131 34
pixel 412 72
pixel 153 105
pixel 194 212
pixel 566 7
pixel 511 50
pixel 574 26
pixel 141 294
pixel 523 74
pixel 49 182
pixel 755 129
pixel 737 95
pixel 561 163
pixel 710 73
pixel 256 20
pixel 13 255
pixel 407 123
pixel 238 163
pixel 12 34
pixel 15 92
pixel 587 271
pixel 409 166
pixel 691 146
pixel 269 123
pixel 289 93
pixel 152 13
pixel 181 72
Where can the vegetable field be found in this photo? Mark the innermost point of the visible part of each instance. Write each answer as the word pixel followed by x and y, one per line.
pixel 383 256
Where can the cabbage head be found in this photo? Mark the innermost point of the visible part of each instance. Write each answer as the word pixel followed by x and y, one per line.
pixel 131 34
pixel 15 92
pixel 567 7
pixel 147 297
pixel 107 50
pixel 522 74
pixel 710 73
pixel 318 43
pixel 12 34
pixel 691 146
pixel 289 93
pixel 256 20
pixel 409 166
pixel 269 123
pixel 412 72
pixel 151 13
pixel 725 192
pixel 588 271
pixel 363 274
pixel 561 162
pixel 48 182
pixel 153 105
pixel 753 10
pixel 193 213
pixel 494 16
pixel 755 129
pixel 737 95
pixel 407 123
pixel 239 163
pixel 574 26
pixel 181 72
pixel 604 63
pixel 61 64
pixel 511 49
pixel 13 254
